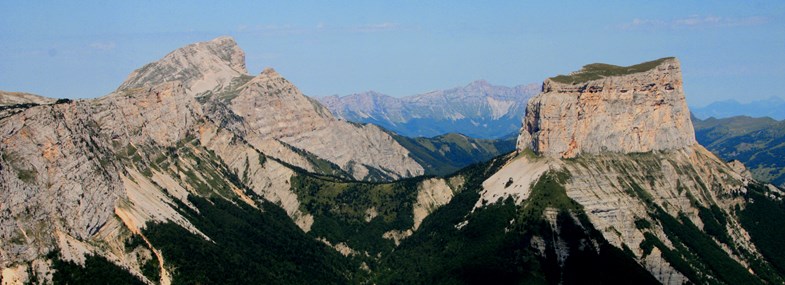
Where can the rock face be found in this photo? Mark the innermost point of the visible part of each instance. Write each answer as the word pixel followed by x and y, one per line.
pixel 200 67
pixel 84 176
pixel 478 109
pixel 13 98
pixel 274 110
pixel 272 115
pixel 624 137
pixel 605 108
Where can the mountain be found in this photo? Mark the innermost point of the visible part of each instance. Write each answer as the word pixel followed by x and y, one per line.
pixel 773 107
pixel 185 143
pixel 637 186
pixel 14 102
pixel 759 143
pixel 446 154
pixel 192 174
pixel 478 110
pixel 15 98
pixel 272 115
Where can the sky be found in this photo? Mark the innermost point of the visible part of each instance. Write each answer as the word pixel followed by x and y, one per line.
pixel 85 49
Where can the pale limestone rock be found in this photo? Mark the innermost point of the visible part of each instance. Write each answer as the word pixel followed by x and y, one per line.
pixel 145 202
pixel 200 67
pixel 268 178
pixel 163 113
pixel 431 194
pixel 13 98
pixel 340 247
pixel 275 110
pixel 16 275
pixel 514 179
pixel 371 213
pixel 622 133
pixel 655 263
pixel 637 112
pixel 52 178
pixel 397 236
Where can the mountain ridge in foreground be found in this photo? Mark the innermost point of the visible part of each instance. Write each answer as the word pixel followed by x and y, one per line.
pixel 196 172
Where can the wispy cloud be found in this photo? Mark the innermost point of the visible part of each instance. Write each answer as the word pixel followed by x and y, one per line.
pixel 694 21
pixel 380 27
pixel 103 46
pixel 321 27
pixel 272 29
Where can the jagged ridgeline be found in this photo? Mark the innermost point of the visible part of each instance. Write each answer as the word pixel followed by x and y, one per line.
pixel 194 172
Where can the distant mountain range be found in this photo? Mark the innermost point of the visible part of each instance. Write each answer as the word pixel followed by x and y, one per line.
pixel 479 110
pixel 759 143
pixel 773 107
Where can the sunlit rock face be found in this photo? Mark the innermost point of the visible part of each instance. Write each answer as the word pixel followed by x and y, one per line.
pixel 606 108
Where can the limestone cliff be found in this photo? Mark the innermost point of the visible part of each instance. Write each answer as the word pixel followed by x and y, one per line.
pixel 606 108
pixel 624 137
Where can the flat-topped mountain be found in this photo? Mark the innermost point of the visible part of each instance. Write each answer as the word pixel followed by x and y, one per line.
pixel 478 109
pixel 607 108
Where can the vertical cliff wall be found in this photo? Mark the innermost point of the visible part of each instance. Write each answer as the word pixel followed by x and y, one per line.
pixel 638 108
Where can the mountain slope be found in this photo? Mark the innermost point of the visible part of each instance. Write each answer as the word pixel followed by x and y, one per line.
pixel 14 98
pixel 759 143
pixel 643 181
pixel 478 110
pixel 81 179
pixel 445 154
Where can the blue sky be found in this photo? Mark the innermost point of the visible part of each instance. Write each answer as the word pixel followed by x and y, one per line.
pixel 728 49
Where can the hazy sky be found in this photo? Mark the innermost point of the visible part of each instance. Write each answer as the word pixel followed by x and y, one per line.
pixel 728 49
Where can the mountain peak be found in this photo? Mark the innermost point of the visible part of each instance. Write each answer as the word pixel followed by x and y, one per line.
pixel 200 66
pixel 269 72
pixel 12 98
pixel 638 108
pixel 480 83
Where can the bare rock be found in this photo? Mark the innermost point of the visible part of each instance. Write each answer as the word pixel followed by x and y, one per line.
pixel 13 98
pixel 200 67
pixel 605 108
pixel 275 110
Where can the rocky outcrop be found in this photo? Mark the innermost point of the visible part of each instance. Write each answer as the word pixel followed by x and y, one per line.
pixel 624 137
pixel 14 98
pixel 273 110
pixel 200 67
pixel 605 108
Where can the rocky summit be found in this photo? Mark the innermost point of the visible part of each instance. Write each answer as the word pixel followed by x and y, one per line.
pixel 74 173
pixel 607 108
